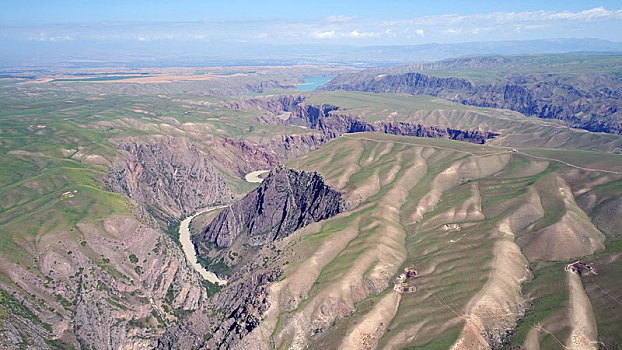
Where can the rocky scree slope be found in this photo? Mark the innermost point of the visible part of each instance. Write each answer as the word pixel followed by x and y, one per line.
pixel 285 201
pixel 593 106
pixel 168 175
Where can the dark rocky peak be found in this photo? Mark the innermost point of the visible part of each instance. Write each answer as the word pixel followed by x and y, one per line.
pixel 285 201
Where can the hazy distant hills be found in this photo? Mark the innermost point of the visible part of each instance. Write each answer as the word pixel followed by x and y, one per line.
pixel 431 52
pixel 180 53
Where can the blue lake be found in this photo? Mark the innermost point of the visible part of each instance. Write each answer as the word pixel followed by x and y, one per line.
pixel 312 83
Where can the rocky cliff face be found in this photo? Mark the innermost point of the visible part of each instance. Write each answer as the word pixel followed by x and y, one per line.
pixel 275 105
pixel 243 157
pixel 291 146
pixel 244 305
pixel 286 201
pixel 592 106
pixel 332 124
pixel 121 288
pixel 168 175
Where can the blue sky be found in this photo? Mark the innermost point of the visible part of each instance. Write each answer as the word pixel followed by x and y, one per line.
pixel 28 12
pixel 209 23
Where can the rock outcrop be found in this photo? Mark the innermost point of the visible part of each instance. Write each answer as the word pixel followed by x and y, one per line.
pixel 168 175
pixel 244 305
pixel 243 157
pixel 291 146
pixel 594 108
pixel 120 288
pixel 286 201
pixel 275 105
pixel 332 123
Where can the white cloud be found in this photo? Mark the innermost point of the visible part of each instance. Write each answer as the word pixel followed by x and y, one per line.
pixel 586 15
pixel 325 35
pixel 357 34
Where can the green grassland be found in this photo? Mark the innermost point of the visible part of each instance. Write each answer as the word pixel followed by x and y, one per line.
pixel 567 65
pixel 43 190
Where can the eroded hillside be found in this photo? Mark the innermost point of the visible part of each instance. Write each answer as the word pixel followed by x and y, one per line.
pixel 167 175
pixel 440 253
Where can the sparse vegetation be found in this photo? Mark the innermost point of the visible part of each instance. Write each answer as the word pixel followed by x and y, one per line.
pixel 217 265
pixel 11 307
pixel 173 231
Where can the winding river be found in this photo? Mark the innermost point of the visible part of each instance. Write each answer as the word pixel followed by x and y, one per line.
pixel 254 176
pixel 186 243
pixel 188 248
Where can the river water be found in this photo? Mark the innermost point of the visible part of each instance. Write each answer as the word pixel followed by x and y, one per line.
pixel 254 177
pixel 191 254
pixel 186 243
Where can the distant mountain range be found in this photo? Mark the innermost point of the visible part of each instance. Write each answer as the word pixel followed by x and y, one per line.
pixel 169 53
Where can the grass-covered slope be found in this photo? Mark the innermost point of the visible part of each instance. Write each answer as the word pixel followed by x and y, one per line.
pixel 515 129
pixel 464 218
